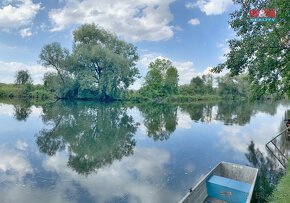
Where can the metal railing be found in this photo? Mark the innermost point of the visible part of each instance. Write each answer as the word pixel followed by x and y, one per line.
pixel 279 151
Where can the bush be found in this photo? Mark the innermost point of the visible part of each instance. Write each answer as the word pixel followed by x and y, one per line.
pixel 24 91
pixel 39 94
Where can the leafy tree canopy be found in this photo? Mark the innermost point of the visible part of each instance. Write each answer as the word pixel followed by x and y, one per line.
pixel 161 79
pixel 261 48
pixel 23 77
pixel 100 66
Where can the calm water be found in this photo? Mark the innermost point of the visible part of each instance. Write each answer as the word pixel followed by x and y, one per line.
pixel 91 152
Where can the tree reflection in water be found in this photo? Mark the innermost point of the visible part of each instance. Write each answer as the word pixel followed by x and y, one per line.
pixel 95 134
pixel 269 172
pixel 159 119
pixel 199 112
pixel 22 111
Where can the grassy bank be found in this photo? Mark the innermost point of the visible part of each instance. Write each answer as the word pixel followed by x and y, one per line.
pixel 24 91
pixel 135 97
pixel 40 92
pixel 282 192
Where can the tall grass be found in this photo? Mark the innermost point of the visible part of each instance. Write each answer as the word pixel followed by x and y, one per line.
pixel 282 193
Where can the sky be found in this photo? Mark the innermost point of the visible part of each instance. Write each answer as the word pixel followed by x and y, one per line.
pixel 190 33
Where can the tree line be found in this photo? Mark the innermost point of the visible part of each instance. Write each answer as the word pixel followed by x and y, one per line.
pixel 102 67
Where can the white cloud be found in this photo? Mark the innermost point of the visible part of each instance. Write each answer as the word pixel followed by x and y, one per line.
pixel 211 7
pixel 21 145
pixel 184 120
pixel 131 20
pixel 14 161
pixel 26 32
pixel 194 21
pixel 225 49
pixel 16 14
pixel 9 69
pixel 137 178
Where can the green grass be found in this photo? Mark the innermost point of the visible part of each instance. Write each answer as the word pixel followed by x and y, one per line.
pixel 282 192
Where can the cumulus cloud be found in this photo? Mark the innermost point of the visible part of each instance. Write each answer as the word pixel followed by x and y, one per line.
pixel 15 162
pixel 21 145
pixel 131 20
pixel 9 69
pixel 26 32
pixel 17 13
pixel 194 21
pixel 135 178
pixel 211 7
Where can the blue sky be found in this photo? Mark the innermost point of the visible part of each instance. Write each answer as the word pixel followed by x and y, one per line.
pixel 191 33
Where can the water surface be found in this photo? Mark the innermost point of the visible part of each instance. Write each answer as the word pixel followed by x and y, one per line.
pixel 97 152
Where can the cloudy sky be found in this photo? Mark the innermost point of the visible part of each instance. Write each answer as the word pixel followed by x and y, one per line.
pixel 191 33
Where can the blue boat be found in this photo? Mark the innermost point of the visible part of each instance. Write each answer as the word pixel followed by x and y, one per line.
pixel 227 182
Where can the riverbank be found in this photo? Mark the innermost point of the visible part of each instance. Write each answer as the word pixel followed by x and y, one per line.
pixel 40 92
pixel 24 91
pixel 282 192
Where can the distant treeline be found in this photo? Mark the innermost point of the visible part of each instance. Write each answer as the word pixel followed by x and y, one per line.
pixel 102 67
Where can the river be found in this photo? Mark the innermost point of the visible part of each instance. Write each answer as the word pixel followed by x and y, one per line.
pixel 84 151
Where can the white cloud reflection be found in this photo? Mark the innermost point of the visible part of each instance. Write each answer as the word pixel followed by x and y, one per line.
pixel 138 178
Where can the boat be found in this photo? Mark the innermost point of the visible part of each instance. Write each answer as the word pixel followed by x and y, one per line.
pixel 227 182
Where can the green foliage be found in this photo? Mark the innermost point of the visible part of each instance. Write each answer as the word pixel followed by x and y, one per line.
pixel 159 119
pixel 153 86
pixel 208 80
pixel 101 66
pixel 261 49
pixel 102 62
pixel 171 81
pixel 233 87
pixel 54 56
pixel 196 87
pixel 197 84
pixel 23 77
pixel 24 91
pixel 189 98
pixel 9 90
pixel 161 80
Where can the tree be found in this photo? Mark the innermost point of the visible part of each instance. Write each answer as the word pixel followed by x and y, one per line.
pixel 162 64
pixel 171 81
pixel 153 86
pixel 208 83
pixel 161 79
pixel 100 65
pixel 53 55
pixel 23 77
pixel 101 62
pixel 233 87
pixel 197 85
pixel 260 49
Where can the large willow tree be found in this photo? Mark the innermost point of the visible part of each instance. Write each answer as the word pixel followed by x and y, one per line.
pixel 100 64
pixel 261 48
